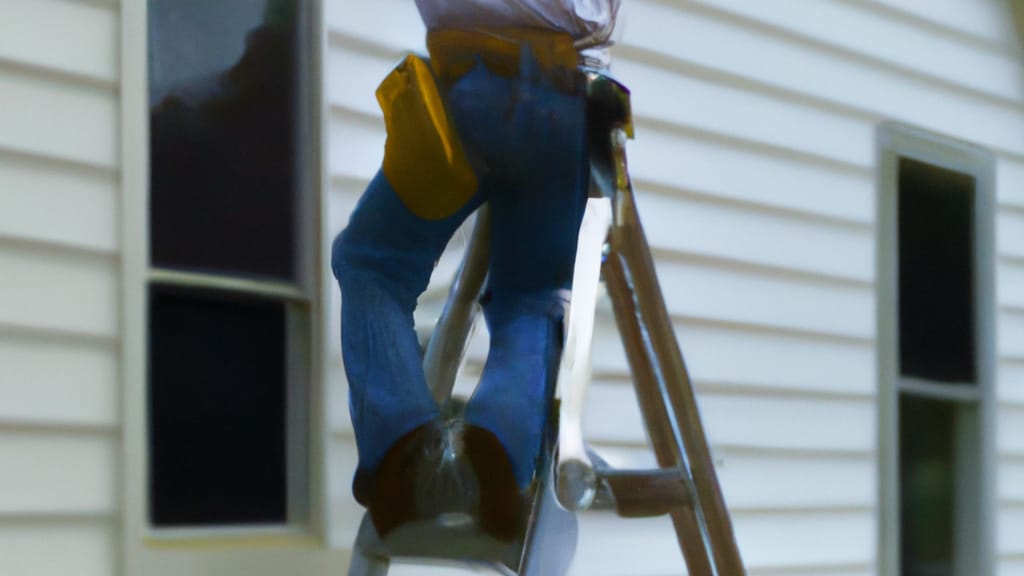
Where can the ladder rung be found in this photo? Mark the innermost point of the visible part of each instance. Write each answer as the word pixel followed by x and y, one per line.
pixel 642 493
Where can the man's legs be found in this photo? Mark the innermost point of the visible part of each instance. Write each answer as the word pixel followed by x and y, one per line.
pixel 528 140
pixel 383 261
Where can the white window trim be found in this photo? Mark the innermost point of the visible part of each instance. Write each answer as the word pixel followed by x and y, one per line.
pixel 137 534
pixel 895 141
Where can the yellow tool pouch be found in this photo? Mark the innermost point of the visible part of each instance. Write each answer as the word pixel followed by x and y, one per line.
pixel 423 158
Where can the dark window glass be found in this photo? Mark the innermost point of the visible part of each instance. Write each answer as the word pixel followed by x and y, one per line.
pixel 217 409
pixel 936 273
pixel 927 486
pixel 223 83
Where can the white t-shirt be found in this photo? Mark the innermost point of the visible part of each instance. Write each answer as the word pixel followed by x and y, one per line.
pixel 589 21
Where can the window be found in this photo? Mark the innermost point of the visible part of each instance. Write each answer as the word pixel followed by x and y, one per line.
pixel 231 279
pixel 935 232
pixel 935 355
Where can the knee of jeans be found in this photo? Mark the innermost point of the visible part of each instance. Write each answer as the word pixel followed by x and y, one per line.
pixel 350 255
pixel 347 255
pixel 356 261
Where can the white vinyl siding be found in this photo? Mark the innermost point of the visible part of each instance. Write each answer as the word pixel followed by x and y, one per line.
pixel 59 334
pixel 755 169
pixel 1010 376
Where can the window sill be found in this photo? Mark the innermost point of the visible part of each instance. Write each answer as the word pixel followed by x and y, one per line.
pixel 232 537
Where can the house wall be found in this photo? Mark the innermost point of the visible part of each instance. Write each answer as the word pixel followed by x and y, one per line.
pixel 59 262
pixel 755 167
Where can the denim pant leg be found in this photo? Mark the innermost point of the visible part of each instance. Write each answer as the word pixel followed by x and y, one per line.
pixel 535 147
pixel 383 261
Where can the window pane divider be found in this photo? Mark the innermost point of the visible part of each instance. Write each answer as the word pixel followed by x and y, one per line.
pixel 266 288
pixel 966 392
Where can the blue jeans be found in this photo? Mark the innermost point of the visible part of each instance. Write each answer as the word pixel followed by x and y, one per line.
pixel 527 140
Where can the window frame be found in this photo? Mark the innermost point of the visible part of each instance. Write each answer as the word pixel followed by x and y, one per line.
pixel 307 330
pixel 895 141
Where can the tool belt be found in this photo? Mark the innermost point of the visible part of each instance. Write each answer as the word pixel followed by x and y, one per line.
pixel 424 160
pixel 453 53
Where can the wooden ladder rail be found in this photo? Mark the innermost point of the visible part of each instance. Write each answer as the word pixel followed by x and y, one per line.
pixel 686 486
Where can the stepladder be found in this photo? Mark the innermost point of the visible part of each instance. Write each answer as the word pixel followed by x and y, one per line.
pixel 571 477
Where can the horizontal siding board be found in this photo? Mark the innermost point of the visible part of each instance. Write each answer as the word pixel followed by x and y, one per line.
pixel 57 474
pixel 74 37
pixel 612 546
pixel 1010 426
pixel 677 31
pixel 58 382
pixel 984 20
pixel 1011 334
pixel 1010 530
pixel 44 289
pixel 58 119
pixel 1011 480
pixel 404 30
pixel 1010 566
pixel 722 354
pixel 692 162
pixel 353 76
pixel 791 482
pixel 59 548
pixel 1010 381
pixel 826 538
pixel 54 203
pixel 357 144
pixel 710 291
pixel 754 420
pixel 711 229
pixel 702 104
pixel 1010 237
pixel 841 26
pixel 612 415
pixel 1010 181
pixel 1010 286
